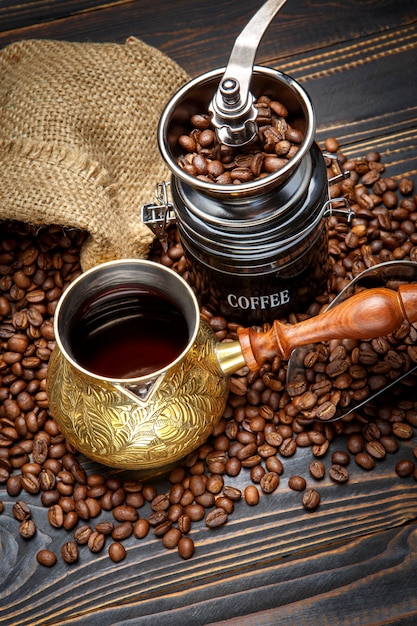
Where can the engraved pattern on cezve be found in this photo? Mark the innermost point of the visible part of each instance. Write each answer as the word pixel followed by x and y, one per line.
pixel 107 426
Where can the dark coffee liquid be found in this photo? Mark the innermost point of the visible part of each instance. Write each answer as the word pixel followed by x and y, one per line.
pixel 127 332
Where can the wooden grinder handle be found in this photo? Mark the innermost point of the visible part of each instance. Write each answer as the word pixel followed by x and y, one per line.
pixel 368 314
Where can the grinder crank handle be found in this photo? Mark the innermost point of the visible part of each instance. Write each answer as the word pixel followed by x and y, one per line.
pixel 366 315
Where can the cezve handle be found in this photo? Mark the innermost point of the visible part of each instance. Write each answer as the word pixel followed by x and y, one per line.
pixel 366 315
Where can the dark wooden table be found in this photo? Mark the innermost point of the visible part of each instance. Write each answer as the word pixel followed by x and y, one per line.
pixel 354 560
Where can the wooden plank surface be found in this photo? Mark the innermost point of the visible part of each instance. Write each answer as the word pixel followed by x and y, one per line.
pixel 19 14
pixel 353 561
pixel 266 557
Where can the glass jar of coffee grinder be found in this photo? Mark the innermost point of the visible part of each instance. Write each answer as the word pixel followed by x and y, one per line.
pixel 256 248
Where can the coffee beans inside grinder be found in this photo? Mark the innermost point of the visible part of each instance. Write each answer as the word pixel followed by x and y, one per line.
pixel 249 192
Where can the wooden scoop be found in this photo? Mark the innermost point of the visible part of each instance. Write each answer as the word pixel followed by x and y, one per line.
pixel 386 299
pixel 368 314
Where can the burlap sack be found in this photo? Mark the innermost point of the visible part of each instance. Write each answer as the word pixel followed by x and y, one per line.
pixel 78 144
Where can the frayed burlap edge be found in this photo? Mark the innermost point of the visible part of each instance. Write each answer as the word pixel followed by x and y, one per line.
pixel 95 180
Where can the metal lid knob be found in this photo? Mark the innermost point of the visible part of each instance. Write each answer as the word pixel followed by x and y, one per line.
pixel 232 108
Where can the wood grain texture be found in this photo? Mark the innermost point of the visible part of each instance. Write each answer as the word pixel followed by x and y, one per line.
pixel 369 314
pixel 17 15
pixel 351 562
pixel 200 39
pixel 276 547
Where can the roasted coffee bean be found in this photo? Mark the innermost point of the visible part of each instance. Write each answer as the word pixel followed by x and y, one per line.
pixel 215 518
pixel 402 430
pixel 317 470
pixel 340 457
pixel 195 511
pixel 325 411
pixel 225 503
pixel 233 493
pixel 95 480
pixel 161 502
pixel 27 529
pixel 253 460
pixel 375 449
pixel 49 498
pixel 176 492
pixel 297 483
pixel 70 520
pixel 162 529
pixel 338 473
pixel 121 531
pixel 256 473
pixel 390 444
pixel 46 558
pixel 365 460
pixel 21 511
pixel 288 447
pixel 406 186
pixel 117 552
pixel 269 482
pixel 67 504
pixel 331 144
pixel 371 432
pixel 247 451
pixel 56 516
pixel 311 499
pixel 69 552
pixel 355 443
pixel 187 498
pixel 40 450
pixel 265 451
pixel 97 491
pixel 206 499
pixel 54 465
pixel 156 518
pixel 273 438
pixel 404 468
pixel 82 509
pixel 197 485
pixel 141 528
pixel 185 547
pixel 77 470
pixel 64 489
pixel 80 493
pixel 316 437
pixel 96 541
pixel 174 512
pixel 47 480
pixel 273 464
pixel 171 538
pixel 251 495
pixel 320 450
pixel 105 527
pixel 184 523
pixel 125 513
pixel 30 483
pixel 411 417
pixel 82 534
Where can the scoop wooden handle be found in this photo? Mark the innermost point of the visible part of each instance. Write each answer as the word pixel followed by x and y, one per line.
pixel 366 315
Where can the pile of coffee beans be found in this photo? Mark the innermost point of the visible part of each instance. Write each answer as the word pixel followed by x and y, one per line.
pixel 263 425
pixel 208 160
pixel 343 374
